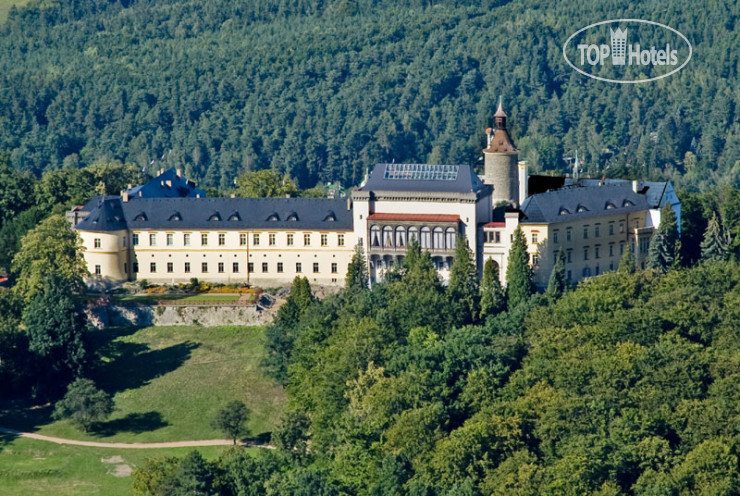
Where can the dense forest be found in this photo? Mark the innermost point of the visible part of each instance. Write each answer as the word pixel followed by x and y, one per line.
pixel 323 89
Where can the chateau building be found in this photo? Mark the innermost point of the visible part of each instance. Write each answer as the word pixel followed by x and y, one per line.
pixel 167 231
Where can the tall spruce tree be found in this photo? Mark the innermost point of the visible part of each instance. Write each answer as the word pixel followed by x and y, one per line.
pixel 627 262
pixel 357 276
pixel 492 295
pixel 558 281
pixel 463 289
pixel 519 280
pixel 664 245
pixel 716 240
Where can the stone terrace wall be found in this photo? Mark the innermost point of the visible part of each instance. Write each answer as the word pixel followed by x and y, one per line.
pixel 164 315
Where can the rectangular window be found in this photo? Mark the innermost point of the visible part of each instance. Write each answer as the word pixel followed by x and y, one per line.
pixel 204 267
pixel 186 239
pixel 125 267
pixel 204 239
pixel 256 239
pixel 333 268
pixel 324 239
pixel 307 239
pixel 243 239
pixel 220 267
pixel 235 267
pixel 621 226
pixel 597 230
pixel 569 276
pixel 170 239
pixel 136 267
pixel 535 259
pixel 125 239
pixel 555 234
pixel 271 239
pixel 152 267
pixel 611 228
pixel 96 242
pixel 250 267
pixel 170 268
pixel 134 239
pixel 585 253
pixel 597 251
pixel 497 236
pixel 611 250
pixel 290 239
pixel 280 267
pixel 535 236
pixel 621 248
pixel 585 232
pixel 152 240
pixel 570 256
pixel 187 267
pixel 568 234
pixel 97 270
pixel 315 267
pixel 298 267
pixel 340 239
pixel 221 239
pixel 264 266
pixel 598 270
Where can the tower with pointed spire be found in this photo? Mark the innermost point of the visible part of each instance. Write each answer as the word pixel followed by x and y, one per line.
pixel 501 158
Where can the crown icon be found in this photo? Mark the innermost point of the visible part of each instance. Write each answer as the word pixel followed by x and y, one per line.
pixel 619 46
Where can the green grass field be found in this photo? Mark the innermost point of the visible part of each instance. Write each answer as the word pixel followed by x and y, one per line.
pixel 5 7
pixel 29 467
pixel 167 383
pixel 152 298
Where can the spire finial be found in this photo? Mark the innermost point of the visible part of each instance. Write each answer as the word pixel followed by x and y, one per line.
pixel 500 116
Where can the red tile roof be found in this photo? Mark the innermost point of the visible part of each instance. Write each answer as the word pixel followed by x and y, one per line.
pixel 495 224
pixel 416 217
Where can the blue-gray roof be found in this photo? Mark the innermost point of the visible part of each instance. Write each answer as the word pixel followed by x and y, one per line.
pixel 423 178
pixel 654 191
pixel 581 202
pixel 167 185
pixel 111 213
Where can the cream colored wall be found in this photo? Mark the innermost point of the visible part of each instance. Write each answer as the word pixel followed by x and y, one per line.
pixel 111 256
pixel 232 251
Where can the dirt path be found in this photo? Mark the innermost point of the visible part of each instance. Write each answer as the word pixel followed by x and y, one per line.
pixel 175 444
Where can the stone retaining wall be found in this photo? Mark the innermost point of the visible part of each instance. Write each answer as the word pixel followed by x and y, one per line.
pixel 164 315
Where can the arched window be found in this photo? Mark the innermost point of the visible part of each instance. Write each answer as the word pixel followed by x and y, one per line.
pixel 439 238
pixel 292 217
pixel 426 238
pixel 450 236
pixel 375 236
pixel 400 237
pixel 175 216
pixel 388 237
pixel 413 234
pixel 234 216
pixel 215 216
pixel 273 217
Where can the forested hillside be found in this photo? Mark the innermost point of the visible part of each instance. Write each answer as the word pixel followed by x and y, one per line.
pixel 323 89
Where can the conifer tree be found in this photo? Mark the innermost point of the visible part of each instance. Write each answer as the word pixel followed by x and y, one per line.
pixel 519 285
pixel 558 282
pixel 716 241
pixel 357 275
pixel 664 245
pixel 492 298
pixel 627 263
pixel 463 289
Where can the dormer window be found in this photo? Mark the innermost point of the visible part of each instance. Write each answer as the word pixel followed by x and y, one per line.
pixel 141 216
pixel 235 216
pixel 581 208
pixel 330 217
pixel 175 217
pixel 609 206
pixel 628 203
pixel 292 217
pixel 564 211
pixel 215 216
pixel 274 217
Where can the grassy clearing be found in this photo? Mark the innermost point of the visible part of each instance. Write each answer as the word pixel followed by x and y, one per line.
pixel 29 467
pixel 169 382
pixel 153 298
pixel 5 7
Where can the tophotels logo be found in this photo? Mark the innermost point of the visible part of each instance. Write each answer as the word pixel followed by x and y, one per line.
pixel 621 55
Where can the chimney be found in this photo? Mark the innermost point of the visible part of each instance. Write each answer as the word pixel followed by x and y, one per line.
pixel 635 185
pixel 169 183
pixel 124 196
pixel 349 203
pixel 233 195
pixel 178 172
pixel 523 181
pixel 197 195
pixel 489 136
pixel 287 195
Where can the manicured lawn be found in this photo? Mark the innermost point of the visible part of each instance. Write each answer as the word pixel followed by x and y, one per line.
pixel 29 467
pixel 169 382
pixel 5 7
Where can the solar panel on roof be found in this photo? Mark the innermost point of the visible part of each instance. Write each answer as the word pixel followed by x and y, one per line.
pixel 421 172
